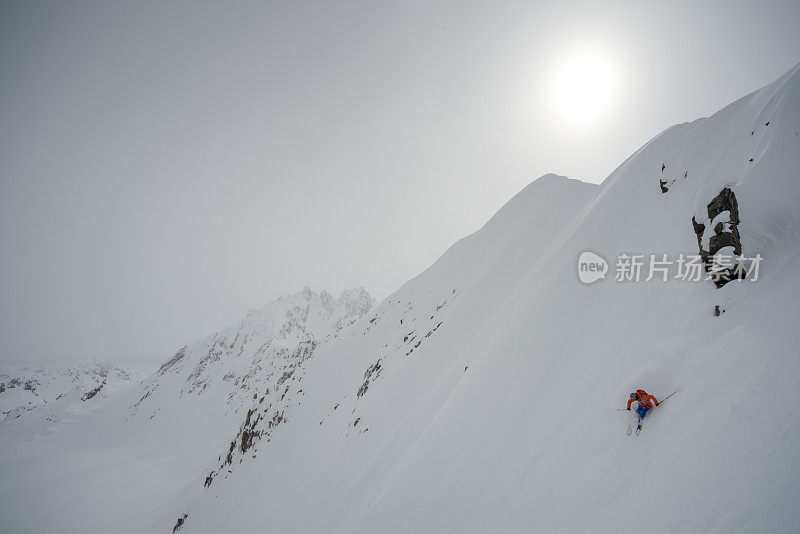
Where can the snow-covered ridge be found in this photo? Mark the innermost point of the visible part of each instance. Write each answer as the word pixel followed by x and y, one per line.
pixel 24 388
pixel 487 394
pixel 483 395
pixel 246 368
pixel 281 335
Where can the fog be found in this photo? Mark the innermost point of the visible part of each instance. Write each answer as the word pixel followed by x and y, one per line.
pixel 166 166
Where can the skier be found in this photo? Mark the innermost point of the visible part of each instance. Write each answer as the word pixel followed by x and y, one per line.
pixel 645 405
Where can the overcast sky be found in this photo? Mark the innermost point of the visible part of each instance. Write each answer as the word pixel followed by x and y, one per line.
pixel 166 166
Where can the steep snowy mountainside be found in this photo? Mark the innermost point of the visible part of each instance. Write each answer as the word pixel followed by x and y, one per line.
pixel 25 388
pixel 483 396
pixel 117 469
pixel 711 459
pixel 209 389
pixel 278 337
pixel 487 394
pixel 413 315
pixel 466 285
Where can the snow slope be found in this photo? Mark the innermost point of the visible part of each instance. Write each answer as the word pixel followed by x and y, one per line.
pixel 504 416
pixel 115 466
pixel 484 395
pixel 58 443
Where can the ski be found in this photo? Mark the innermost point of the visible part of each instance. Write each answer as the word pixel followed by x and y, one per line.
pixel 639 428
pixel 630 429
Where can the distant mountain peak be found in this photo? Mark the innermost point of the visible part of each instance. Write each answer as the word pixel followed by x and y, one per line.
pixel 267 342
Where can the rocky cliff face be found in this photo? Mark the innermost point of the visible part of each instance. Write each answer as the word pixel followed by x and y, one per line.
pixel 265 347
pixel 252 367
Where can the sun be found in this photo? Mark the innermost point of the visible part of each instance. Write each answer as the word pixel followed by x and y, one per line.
pixel 583 88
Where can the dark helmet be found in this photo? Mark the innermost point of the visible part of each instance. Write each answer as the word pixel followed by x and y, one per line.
pixel 634 396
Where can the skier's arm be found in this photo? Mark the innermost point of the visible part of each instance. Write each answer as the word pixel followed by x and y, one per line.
pixel 649 397
pixel 630 401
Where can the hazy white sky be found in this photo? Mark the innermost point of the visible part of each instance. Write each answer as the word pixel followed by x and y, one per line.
pixel 165 166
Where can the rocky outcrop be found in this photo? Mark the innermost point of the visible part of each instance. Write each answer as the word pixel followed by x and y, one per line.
pixel 720 231
pixel 179 523
pixel 93 392
pixel 262 359
pixel 372 372
pixel 172 361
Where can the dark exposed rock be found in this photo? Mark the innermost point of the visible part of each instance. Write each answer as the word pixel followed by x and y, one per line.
pixel 249 433
pixel 30 385
pixel 143 397
pixel 664 185
pixel 718 310
pixel 179 524
pixel 276 420
pixel 2 387
pixel 93 392
pixel 725 234
pixel 247 436
pixel 172 361
pixel 372 372
pixel 285 376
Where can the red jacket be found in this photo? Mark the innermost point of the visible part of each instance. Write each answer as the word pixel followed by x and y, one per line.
pixel 644 399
